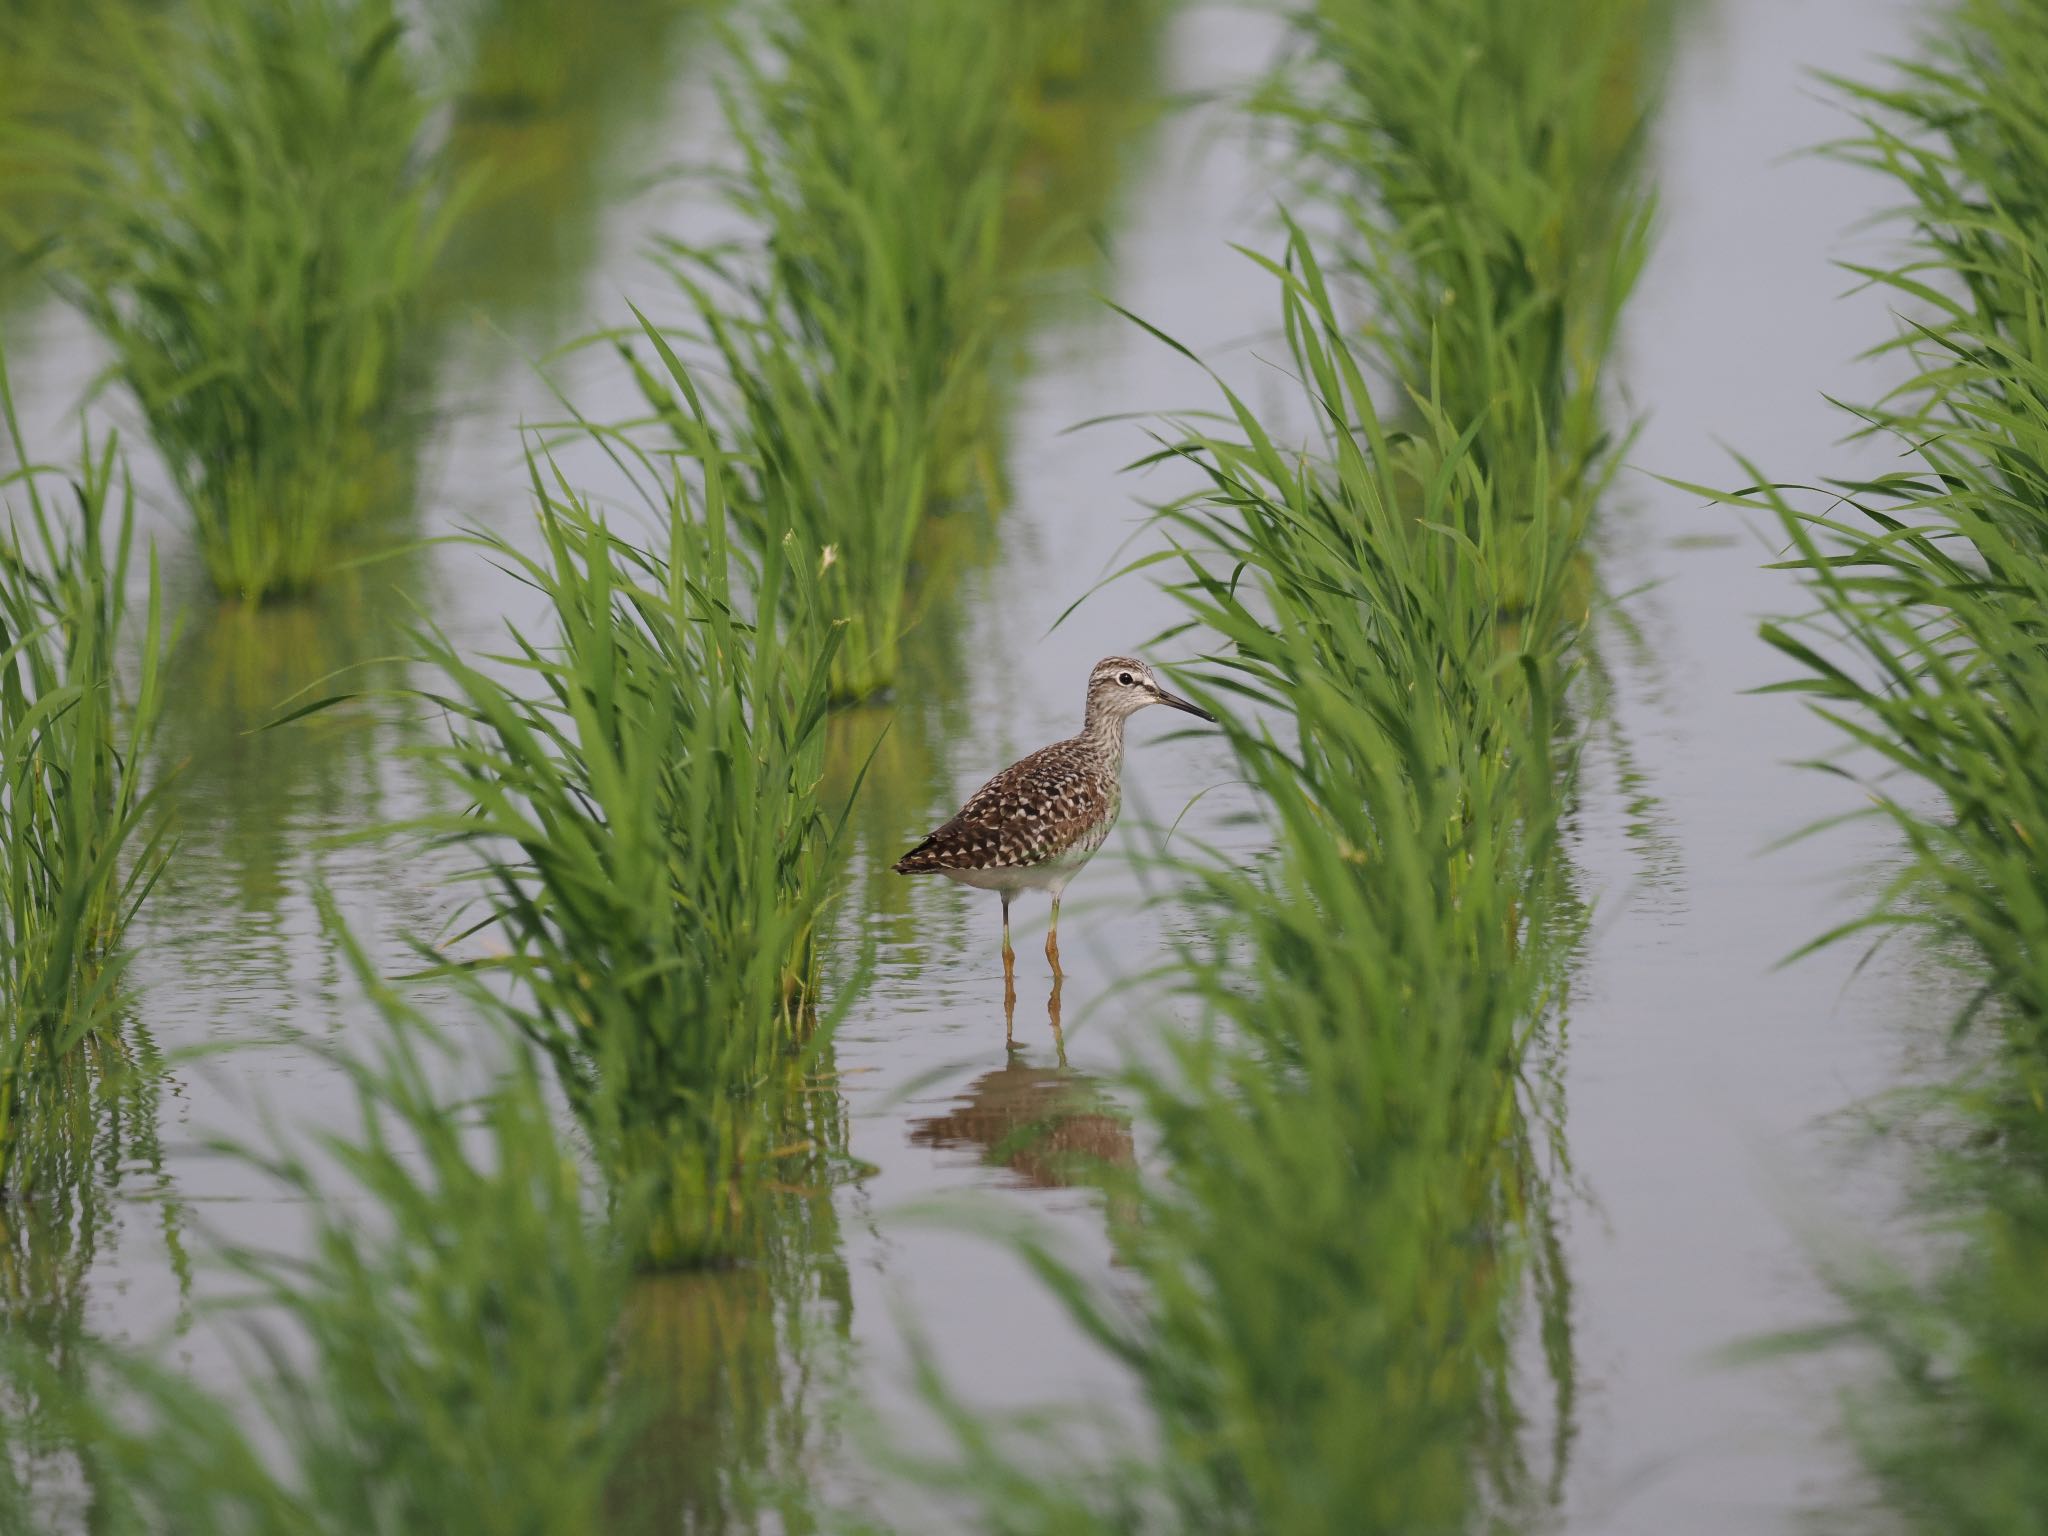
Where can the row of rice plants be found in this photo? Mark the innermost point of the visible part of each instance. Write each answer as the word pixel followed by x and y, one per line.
pixel 1356 1094
pixel 1483 165
pixel 1354 1218
pixel 81 840
pixel 641 790
pixel 451 1364
pixel 250 227
pixel 879 151
pixel 1925 651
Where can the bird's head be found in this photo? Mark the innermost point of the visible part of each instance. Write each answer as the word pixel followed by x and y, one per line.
pixel 1120 686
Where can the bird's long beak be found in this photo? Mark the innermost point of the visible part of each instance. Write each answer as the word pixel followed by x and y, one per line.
pixel 1177 702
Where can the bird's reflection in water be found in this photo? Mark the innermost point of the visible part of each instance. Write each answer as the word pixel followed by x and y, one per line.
pixel 1051 1126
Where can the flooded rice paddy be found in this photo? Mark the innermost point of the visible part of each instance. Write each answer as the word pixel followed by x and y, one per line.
pixel 1706 1138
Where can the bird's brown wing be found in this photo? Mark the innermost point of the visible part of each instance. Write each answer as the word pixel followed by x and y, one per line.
pixel 1032 811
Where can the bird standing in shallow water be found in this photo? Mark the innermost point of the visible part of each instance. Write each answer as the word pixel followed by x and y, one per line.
pixel 1032 826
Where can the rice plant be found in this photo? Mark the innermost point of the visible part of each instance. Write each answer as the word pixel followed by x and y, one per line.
pixel 444 1363
pixel 81 842
pixel 878 144
pixel 1925 651
pixel 1401 612
pixel 1371 1005
pixel 1484 156
pixel 643 799
pixel 252 235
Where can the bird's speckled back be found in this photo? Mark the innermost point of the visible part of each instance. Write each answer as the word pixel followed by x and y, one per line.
pixel 1058 804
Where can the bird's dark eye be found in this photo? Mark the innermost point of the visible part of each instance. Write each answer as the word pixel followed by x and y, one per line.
pixel 1124 678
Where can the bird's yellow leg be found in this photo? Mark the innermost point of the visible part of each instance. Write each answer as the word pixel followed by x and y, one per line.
pixel 1009 968
pixel 1052 940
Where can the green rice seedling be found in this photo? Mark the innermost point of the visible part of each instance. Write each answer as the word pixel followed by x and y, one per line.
pixel 643 801
pixel 81 842
pixel 439 1357
pixel 1371 1003
pixel 1926 652
pixel 252 238
pixel 1484 156
pixel 86 1135
pixel 878 145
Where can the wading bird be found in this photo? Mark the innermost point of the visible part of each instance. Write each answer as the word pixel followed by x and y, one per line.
pixel 1032 826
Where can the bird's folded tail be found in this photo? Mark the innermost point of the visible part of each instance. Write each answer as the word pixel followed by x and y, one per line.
pixel 924 859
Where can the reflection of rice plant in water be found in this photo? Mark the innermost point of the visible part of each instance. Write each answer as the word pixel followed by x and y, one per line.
pixel 249 796
pixel 87 1138
pixel 737 1369
pixel 255 808
pixel 878 143
pixel 80 841
pixel 543 160
pixel 644 792
pixel 252 238
pixel 447 1366
pixel 524 59
pixel 1926 651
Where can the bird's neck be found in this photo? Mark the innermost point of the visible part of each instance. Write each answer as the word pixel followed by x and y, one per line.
pixel 1103 730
